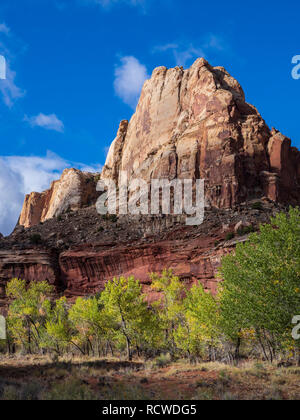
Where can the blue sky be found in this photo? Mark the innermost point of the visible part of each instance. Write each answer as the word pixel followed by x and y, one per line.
pixel 75 69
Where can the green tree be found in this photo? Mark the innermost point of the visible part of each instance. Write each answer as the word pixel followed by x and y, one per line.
pixel 261 287
pixel 199 332
pixel 170 307
pixel 90 324
pixel 27 311
pixel 56 335
pixel 127 311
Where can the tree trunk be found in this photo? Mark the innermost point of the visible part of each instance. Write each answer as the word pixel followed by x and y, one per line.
pixel 129 355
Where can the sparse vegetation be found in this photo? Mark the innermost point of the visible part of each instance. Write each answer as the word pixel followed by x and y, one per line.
pixel 249 317
pixel 229 236
pixel 88 378
pixel 245 230
pixel 36 239
pixel 257 206
pixel 113 218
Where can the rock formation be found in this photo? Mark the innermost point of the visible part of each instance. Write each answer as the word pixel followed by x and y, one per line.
pixel 74 190
pixel 191 123
pixel 196 123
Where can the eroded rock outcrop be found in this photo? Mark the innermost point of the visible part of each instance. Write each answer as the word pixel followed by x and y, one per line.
pixel 31 265
pixel 191 123
pixel 196 123
pixel 74 190
pixel 81 265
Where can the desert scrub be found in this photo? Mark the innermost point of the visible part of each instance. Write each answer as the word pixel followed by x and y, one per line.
pixel 30 391
pixel 162 361
pixel 229 236
pixel 71 390
pixel 35 239
pixel 122 391
pixel 257 206
pixel 245 230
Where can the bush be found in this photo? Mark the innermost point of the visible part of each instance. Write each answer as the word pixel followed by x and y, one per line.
pixel 257 206
pixel 110 218
pixel 229 236
pixel 72 390
pixel 245 230
pixel 26 392
pixel 35 239
pixel 162 361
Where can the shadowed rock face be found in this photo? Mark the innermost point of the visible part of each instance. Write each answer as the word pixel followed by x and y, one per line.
pixel 130 246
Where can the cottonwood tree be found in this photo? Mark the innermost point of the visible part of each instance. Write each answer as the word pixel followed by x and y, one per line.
pixel 170 306
pixel 56 334
pixel 261 288
pixel 199 331
pixel 91 325
pixel 127 311
pixel 27 311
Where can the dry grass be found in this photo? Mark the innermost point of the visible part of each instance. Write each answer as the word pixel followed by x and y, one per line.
pixel 38 377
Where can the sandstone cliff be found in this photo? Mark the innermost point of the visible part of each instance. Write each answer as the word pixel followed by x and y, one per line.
pixel 74 190
pixel 192 124
pixel 196 123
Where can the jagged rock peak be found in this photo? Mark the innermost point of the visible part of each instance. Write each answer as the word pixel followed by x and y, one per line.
pixel 192 123
pixel 196 123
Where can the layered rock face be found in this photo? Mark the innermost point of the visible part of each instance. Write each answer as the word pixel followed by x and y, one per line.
pixel 189 124
pixel 74 190
pixel 123 248
pixel 196 123
pixel 31 265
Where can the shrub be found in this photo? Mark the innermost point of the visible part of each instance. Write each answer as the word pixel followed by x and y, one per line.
pixel 110 217
pixel 163 360
pixel 245 230
pixel 35 239
pixel 229 236
pixel 257 206
pixel 113 218
pixel 70 391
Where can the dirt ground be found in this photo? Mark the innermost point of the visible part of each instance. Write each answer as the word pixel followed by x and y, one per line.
pixel 40 378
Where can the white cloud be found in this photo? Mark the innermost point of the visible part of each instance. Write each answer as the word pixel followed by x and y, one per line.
pixel 106 4
pixel 8 87
pixel 20 175
pixel 49 122
pixel 10 197
pixel 4 29
pixel 129 79
pixel 10 91
pixel 184 53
